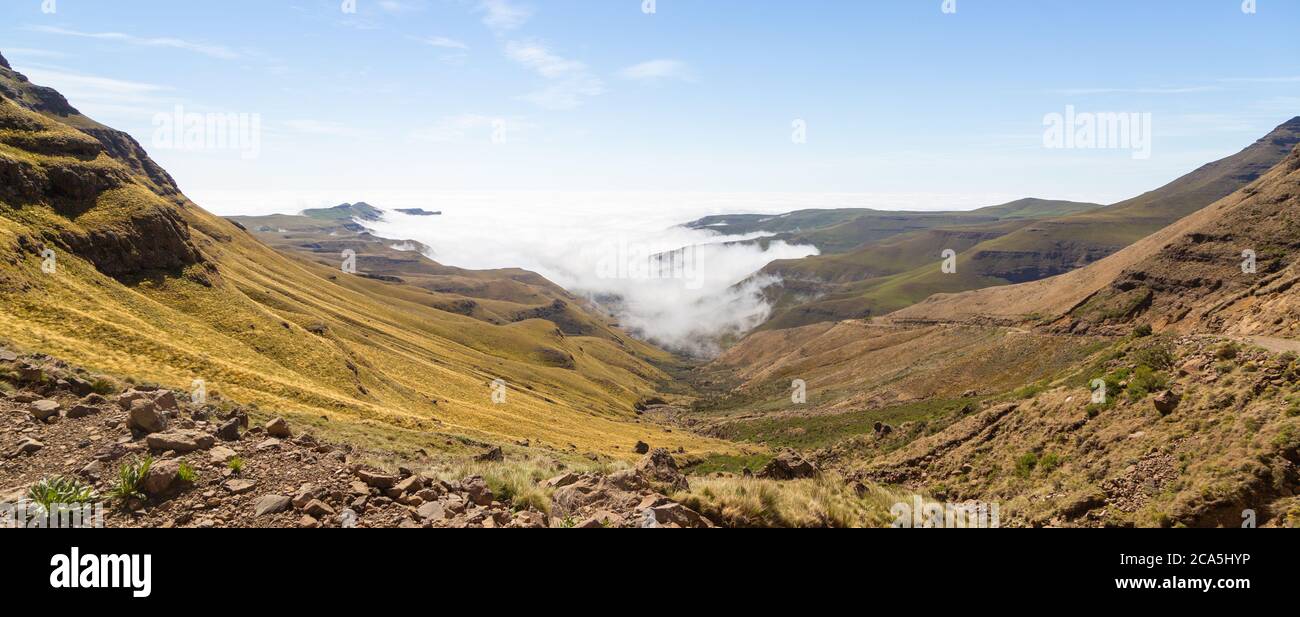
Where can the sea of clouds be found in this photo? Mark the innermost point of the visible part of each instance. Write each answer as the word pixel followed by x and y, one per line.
pixel 601 246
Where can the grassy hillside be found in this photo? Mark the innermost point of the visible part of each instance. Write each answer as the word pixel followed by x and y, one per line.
pixel 149 285
pixel 842 230
pixel 868 282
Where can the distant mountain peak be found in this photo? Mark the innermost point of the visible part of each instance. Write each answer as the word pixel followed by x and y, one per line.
pixel 360 210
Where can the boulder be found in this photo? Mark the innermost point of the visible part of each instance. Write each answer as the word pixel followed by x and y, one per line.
pixel 229 431
pixel 561 480
pixel 164 399
pixel 144 417
pixel 30 373
pixel 376 479
pixel 677 515
pixel 278 428
pixel 45 409
pixel 239 487
pixel 221 455
pixel 1166 402
pixel 7 356
pixel 82 410
pixel 529 519
pixel 28 446
pixel 126 399
pixel 78 386
pixel 432 511
pixel 270 504
pixel 659 467
pixel 410 485
pixel 477 490
pixel 161 478
pixel 491 456
pixel 182 440
pixel 318 509
pixel 305 495
pixel 641 447
pixel 788 465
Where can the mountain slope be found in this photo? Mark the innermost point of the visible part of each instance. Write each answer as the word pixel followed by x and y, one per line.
pixel 148 284
pixel 842 230
pixel 1181 275
pixel 989 395
pixel 860 287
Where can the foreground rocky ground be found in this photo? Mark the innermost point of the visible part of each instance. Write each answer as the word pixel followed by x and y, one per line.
pixel 203 465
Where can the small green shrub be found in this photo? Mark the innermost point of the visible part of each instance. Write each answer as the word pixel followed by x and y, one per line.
pixel 129 478
pixel 1227 351
pixel 1049 462
pixel 1025 464
pixel 103 387
pixel 235 465
pixel 1142 330
pixel 55 491
pixel 187 473
pixel 1145 381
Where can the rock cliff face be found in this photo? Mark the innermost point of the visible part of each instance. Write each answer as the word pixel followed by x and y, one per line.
pixel 112 205
pixel 1235 272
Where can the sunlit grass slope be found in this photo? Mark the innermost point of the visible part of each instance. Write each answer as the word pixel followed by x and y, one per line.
pixel 192 296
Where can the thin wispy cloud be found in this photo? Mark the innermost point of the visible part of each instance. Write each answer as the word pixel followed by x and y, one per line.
pixel 398 7
pixel 104 97
pixel 502 16
pixel 1289 79
pixel 321 127
pixel 215 51
pixel 658 70
pixel 18 52
pixel 571 81
pixel 1176 90
pixel 441 42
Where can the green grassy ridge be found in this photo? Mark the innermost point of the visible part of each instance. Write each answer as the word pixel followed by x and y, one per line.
pixel 1035 250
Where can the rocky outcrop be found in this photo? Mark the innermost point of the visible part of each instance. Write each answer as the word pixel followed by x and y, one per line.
pixel 788 465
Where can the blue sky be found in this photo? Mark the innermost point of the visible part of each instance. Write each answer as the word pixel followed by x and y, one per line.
pixel 898 96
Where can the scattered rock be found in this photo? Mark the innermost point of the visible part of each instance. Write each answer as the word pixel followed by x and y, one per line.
pixel 433 510
pixel 561 480
pixel 82 410
pixel 144 417
pixel 229 431
pixel 410 485
pixel 92 471
pixel 375 479
pixel 221 455
pixel 278 428
pixel 659 466
pixel 318 509
pixel 182 440
pixel 239 487
pixel 162 477
pixel 270 504
pixel 491 456
pixel 641 447
pixel 788 465
pixel 477 489
pixel 28 446
pixel 1166 402
pixel 43 410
